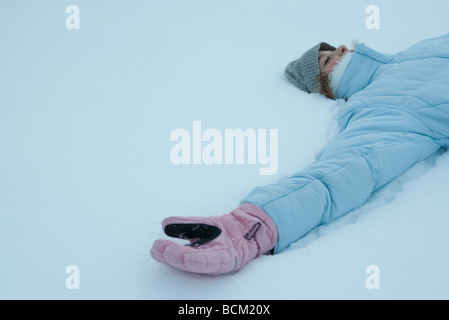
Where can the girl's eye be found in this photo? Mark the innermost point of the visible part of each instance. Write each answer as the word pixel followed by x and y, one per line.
pixel 327 60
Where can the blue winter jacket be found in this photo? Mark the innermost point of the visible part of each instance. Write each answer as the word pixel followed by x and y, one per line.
pixel 397 114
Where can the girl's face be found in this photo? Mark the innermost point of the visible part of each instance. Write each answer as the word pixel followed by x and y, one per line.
pixel 327 60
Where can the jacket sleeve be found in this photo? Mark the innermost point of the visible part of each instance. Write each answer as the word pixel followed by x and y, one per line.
pixel 359 161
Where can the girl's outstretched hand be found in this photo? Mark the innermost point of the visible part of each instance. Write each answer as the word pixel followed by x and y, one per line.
pixel 216 244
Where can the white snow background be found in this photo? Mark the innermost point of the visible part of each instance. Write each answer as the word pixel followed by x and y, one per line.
pixel 85 170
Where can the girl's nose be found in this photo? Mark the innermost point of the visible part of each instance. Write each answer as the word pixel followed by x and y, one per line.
pixel 341 50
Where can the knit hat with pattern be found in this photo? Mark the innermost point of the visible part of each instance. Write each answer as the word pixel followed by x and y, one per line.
pixel 303 72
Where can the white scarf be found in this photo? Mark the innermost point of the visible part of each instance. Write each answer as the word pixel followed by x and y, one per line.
pixel 339 70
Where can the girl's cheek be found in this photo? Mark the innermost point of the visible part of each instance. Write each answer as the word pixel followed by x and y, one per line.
pixel 334 63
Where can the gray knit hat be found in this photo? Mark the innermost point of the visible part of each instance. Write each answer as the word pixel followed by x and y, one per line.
pixel 303 73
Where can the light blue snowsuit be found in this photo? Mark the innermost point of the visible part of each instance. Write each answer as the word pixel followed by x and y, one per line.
pixel 397 114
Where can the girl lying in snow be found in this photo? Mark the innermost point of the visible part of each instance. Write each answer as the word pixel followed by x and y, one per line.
pixel 396 114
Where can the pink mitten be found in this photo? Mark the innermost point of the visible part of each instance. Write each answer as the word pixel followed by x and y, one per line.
pixel 217 244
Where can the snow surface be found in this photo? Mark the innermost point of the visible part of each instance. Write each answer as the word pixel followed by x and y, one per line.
pixel 85 172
